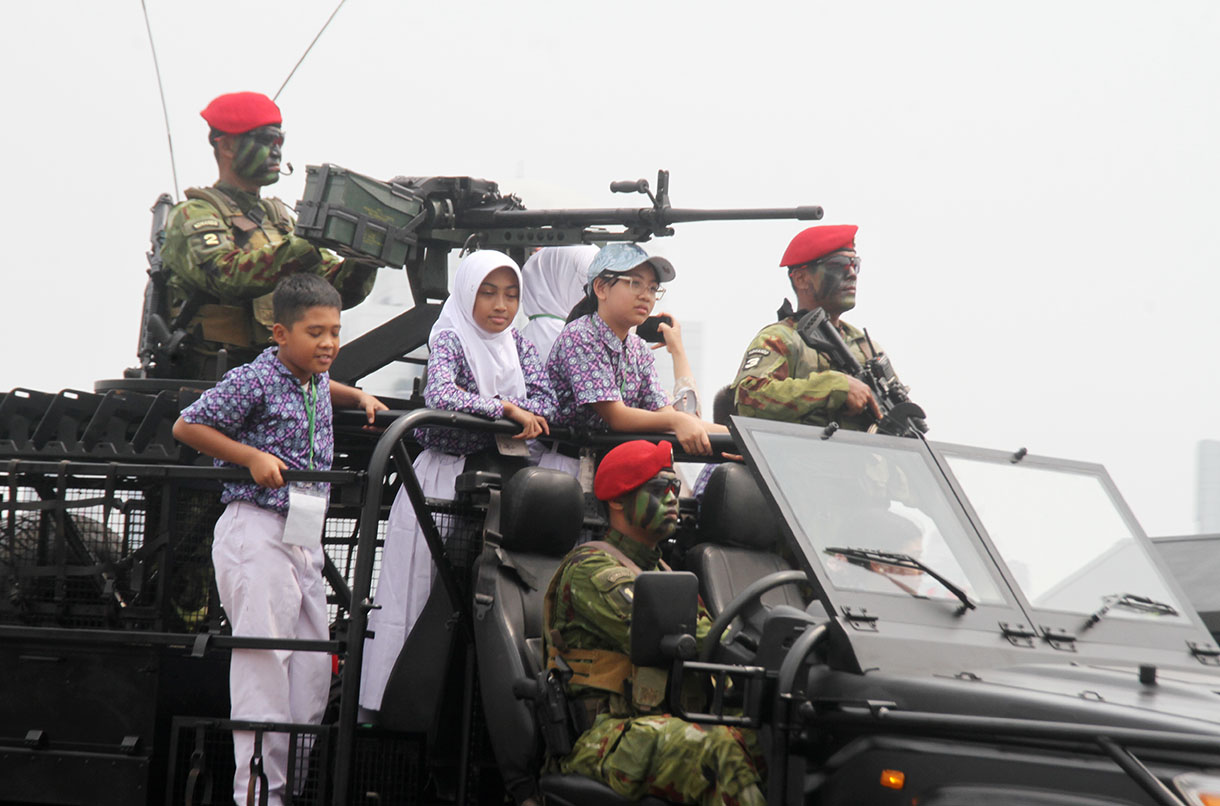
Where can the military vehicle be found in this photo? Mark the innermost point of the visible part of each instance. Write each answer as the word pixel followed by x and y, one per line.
pixel 905 622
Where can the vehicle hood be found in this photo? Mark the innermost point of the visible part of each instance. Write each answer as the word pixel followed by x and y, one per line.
pixel 1180 700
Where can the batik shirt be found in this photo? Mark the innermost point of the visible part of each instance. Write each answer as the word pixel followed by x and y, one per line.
pixel 262 404
pixel 589 364
pixel 451 386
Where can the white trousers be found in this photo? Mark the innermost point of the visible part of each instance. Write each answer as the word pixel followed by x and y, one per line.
pixel 405 580
pixel 273 590
pixel 557 461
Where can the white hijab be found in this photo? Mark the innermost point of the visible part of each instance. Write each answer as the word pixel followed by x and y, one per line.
pixel 492 356
pixel 555 283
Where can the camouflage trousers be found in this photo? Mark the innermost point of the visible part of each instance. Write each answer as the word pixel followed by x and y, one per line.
pixel 670 758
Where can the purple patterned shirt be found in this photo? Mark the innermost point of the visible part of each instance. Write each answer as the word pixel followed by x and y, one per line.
pixel 451 386
pixel 261 404
pixel 589 364
pixel 705 475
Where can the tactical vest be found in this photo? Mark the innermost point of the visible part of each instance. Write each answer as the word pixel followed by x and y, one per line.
pixel 634 690
pixel 247 325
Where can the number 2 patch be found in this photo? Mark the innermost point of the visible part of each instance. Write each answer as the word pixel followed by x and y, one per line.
pixel 211 239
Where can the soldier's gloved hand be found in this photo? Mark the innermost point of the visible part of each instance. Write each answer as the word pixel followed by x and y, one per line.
pixel 860 396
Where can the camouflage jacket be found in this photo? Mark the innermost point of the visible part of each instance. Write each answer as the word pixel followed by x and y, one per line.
pixel 592 610
pixel 782 378
pixel 234 254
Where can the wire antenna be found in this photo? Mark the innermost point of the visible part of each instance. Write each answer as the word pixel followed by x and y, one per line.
pixel 161 89
pixel 306 53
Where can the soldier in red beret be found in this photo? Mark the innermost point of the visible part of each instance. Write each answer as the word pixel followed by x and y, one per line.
pixel 226 248
pixel 588 624
pixel 783 378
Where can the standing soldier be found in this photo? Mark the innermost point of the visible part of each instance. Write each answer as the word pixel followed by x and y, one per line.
pixel 225 248
pixel 783 378
pixel 631 745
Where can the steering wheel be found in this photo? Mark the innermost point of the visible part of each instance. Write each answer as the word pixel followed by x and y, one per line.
pixel 745 604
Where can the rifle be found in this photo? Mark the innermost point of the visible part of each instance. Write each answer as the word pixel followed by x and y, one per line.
pixel 899 415
pixel 414 222
pixel 158 342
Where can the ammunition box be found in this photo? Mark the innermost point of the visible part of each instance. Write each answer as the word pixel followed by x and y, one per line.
pixel 358 216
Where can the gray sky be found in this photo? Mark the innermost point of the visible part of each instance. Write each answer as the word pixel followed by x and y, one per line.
pixel 1035 182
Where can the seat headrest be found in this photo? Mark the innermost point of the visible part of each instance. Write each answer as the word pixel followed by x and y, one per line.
pixel 541 511
pixel 734 512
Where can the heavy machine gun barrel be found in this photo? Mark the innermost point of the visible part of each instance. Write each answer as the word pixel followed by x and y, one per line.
pixel 626 216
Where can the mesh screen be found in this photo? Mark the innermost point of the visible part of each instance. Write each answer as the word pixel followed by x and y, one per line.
pixel 385 769
pixel 135 553
pixel 202 763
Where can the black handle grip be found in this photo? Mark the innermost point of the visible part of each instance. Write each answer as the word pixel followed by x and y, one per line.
pixel 629 186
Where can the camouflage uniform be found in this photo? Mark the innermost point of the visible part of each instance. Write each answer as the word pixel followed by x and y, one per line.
pixel 632 746
pixel 782 378
pixel 234 247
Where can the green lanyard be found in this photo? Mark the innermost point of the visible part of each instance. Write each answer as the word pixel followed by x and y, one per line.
pixel 546 316
pixel 311 404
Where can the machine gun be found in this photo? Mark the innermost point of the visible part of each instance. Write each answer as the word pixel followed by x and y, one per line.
pixel 414 222
pixel 159 342
pixel 899 416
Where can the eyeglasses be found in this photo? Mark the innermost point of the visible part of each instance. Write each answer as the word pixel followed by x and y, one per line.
pixel 660 487
pixel 640 287
pixel 267 136
pixel 840 262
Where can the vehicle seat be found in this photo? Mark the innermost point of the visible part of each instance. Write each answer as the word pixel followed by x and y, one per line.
pixel 541 512
pixel 738 543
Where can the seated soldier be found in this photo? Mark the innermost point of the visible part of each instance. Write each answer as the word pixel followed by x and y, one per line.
pixel 632 746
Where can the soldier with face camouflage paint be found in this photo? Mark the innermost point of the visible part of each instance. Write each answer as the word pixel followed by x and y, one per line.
pixel 632 746
pixel 783 378
pixel 226 248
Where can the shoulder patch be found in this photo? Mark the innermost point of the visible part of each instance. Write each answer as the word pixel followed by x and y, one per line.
pixel 754 357
pixel 207 224
pixel 610 578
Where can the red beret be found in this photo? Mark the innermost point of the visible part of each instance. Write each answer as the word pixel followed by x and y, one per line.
pixel 817 242
pixel 240 112
pixel 629 465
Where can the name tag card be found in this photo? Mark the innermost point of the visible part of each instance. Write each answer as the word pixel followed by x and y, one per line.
pixel 511 447
pixel 307 505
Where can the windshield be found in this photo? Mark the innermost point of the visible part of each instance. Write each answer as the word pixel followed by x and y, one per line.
pixel 1064 540
pixel 849 500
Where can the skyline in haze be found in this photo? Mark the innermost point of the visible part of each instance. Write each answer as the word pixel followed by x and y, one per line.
pixel 1035 184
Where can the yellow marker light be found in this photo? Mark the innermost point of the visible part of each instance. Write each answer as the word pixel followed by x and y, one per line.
pixel 893 779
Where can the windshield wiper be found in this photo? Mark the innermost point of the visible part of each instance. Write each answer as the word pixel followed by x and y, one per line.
pixel 863 557
pixel 1130 601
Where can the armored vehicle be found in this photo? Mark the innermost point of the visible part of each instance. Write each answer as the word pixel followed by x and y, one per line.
pixel 904 622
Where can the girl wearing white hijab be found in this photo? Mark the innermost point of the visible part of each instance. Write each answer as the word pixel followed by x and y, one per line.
pixel 477 364
pixel 555 278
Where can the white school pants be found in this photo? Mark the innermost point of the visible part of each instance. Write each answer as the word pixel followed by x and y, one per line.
pixel 270 589
pixel 555 460
pixel 405 580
